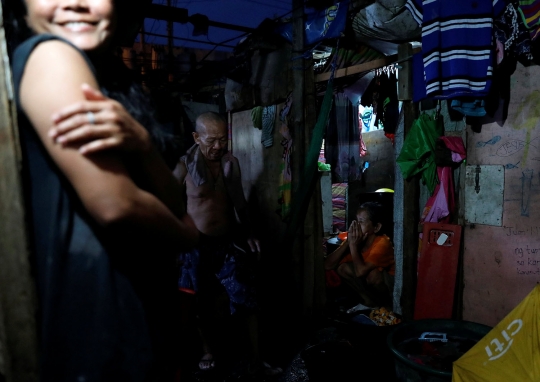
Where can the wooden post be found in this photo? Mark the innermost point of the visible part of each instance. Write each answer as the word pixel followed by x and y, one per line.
pixel 405 82
pixel 411 209
pixel 314 283
pixel 298 136
pixel 18 339
pixel 170 45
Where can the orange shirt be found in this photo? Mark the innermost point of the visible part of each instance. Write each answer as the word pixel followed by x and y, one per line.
pixel 380 253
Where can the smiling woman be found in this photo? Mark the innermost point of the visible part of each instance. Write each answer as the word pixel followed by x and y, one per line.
pixel 89 25
pixel 105 215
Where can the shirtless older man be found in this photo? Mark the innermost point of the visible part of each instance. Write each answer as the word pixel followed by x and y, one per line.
pixel 215 198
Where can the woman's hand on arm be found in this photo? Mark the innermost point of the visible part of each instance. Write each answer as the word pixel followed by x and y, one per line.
pixel 101 181
pixel 113 128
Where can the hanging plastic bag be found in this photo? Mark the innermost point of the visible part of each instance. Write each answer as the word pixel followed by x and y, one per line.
pixel 418 152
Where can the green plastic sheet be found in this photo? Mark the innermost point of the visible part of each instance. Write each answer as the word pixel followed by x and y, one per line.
pixel 302 196
pixel 418 152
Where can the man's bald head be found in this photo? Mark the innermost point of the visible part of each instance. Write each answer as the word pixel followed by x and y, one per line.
pixel 208 118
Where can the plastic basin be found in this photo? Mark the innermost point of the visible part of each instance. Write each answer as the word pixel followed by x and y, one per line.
pixel 408 332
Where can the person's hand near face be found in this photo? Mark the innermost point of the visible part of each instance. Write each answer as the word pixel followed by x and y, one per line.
pixel 355 236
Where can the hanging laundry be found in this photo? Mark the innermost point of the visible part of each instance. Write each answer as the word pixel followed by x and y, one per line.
pixel 256 117
pixel 513 34
pixel 370 98
pixel 510 30
pixel 388 96
pixel 456 146
pixel 457 45
pixel 342 141
pixel 366 115
pixel 469 107
pixel 530 14
pixel 440 206
pixel 418 152
pixel 361 144
pixel 286 172
pixel 268 122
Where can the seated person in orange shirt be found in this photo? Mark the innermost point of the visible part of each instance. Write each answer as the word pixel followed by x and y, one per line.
pixel 365 260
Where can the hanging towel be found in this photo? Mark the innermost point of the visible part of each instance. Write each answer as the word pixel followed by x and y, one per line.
pixel 469 107
pixel 286 173
pixel 268 122
pixel 256 117
pixel 194 161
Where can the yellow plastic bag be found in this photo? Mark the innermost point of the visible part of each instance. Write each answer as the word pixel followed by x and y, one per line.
pixel 509 352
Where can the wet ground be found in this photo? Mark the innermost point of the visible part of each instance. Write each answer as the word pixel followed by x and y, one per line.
pixel 331 347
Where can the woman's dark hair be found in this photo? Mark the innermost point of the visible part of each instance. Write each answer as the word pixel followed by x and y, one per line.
pixel 15 25
pixel 374 210
pixel 118 82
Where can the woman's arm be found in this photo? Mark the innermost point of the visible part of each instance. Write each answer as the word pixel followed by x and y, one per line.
pixel 114 128
pixel 52 80
pixel 333 259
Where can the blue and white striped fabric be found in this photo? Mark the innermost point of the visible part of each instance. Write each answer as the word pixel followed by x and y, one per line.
pixel 457 45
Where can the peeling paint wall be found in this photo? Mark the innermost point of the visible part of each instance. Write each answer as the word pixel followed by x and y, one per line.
pixel 502 264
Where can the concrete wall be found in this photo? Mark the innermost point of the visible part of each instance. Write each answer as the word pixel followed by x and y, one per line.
pixel 261 169
pixel 380 173
pixel 502 264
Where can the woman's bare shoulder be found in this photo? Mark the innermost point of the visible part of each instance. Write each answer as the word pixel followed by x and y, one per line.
pixel 53 76
pixel 56 56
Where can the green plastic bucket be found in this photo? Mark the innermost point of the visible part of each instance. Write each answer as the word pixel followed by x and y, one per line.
pixel 433 331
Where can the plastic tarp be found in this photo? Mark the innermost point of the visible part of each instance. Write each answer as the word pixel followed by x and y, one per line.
pixel 386 20
pixel 321 25
pixel 418 152
pixel 509 352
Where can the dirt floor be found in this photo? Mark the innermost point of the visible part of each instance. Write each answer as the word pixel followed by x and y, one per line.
pixel 331 347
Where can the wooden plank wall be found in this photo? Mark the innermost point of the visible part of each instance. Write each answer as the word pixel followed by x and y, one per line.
pixel 287 279
pixel 502 264
pixel 18 344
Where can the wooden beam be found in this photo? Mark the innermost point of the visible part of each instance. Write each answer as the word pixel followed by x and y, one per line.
pixel 18 337
pixel 365 67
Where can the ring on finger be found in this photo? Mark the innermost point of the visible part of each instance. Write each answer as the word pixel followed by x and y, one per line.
pixel 91 118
